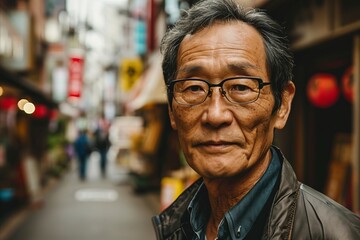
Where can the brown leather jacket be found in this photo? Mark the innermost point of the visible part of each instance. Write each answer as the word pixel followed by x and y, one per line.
pixel 297 212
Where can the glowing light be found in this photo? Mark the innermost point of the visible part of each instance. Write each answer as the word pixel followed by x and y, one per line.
pixel 1 91
pixel 21 103
pixel 29 108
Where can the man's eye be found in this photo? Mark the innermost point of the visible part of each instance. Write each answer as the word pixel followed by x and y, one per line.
pixel 194 88
pixel 239 88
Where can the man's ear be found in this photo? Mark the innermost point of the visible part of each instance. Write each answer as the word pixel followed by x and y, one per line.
pixel 171 115
pixel 283 112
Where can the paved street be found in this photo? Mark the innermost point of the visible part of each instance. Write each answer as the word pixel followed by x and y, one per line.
pixel 97 209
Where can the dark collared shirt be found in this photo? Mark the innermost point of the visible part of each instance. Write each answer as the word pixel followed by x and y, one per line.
pixel 239 220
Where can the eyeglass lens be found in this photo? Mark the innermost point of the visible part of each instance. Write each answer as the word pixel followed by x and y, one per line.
pixel 238 90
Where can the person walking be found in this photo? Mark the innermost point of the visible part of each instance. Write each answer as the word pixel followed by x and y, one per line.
pixel 102 144
pixel 82 149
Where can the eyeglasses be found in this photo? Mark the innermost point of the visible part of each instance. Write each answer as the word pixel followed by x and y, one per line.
pixel 239 90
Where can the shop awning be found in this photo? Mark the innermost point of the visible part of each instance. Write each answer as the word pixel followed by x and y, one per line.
pixel 152 86
pixel 11 79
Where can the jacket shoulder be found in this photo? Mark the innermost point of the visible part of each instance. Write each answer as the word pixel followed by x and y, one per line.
pixel 325 218
pixel 173 221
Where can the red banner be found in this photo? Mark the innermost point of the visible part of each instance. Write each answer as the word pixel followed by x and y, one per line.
pixel 76 72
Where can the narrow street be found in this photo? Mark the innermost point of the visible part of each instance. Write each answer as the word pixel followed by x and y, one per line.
pixel 95 209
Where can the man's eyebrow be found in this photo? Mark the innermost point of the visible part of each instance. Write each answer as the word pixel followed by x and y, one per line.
pixel 242 67
pixel 189 69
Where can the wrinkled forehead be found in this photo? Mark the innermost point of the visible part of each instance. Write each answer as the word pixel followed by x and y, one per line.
pixel 238 44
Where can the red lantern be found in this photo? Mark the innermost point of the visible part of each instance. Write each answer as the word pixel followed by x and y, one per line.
pixel 7 103
pixel 347 84
pixel 41 111
pixel 322 90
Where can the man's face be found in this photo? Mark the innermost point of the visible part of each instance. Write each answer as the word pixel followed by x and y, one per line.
pixel 219 138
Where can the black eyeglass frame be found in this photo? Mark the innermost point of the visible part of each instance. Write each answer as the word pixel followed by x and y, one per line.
pixel 261 84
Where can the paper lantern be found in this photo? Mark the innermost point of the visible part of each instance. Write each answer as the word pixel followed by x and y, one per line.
pixel 8 103
pixel 41 111
pixel 347 84
pixel 322 90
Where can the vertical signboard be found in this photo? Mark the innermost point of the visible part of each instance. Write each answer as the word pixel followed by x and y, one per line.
pixel 76 72
pixel 20 49
pixel 131 69
pixel 59 81
pixel 151 25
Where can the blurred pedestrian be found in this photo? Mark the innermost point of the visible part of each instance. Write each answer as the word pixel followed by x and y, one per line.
pixel 82 149
pixel 102 145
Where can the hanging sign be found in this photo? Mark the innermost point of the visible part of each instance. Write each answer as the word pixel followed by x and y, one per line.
pixel 76 72
pixel 131 69
pixel 59 83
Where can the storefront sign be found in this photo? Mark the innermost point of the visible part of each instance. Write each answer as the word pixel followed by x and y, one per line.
pixel 76 72
pixel 16 41
pixel 59 83
pixel 131 70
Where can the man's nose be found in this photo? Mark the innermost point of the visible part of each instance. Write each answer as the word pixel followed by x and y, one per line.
pixel 217 112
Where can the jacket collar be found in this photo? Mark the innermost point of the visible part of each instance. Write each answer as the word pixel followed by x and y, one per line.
pixel 174 219
pixel 281 219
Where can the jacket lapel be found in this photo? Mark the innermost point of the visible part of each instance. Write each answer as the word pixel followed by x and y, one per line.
pixel 281 220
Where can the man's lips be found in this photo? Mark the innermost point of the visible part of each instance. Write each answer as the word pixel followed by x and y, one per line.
pixel 214 145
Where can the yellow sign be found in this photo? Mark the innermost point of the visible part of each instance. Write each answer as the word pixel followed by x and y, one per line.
pixel 131 69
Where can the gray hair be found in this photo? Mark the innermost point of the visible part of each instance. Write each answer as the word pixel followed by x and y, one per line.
pixel 279 58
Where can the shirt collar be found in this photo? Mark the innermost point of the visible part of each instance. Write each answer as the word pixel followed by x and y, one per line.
pixel 243 215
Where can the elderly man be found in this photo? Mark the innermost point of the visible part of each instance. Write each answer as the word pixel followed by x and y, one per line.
pixel 228 71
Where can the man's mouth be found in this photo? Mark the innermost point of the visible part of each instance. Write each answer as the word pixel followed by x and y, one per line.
pixel 215 146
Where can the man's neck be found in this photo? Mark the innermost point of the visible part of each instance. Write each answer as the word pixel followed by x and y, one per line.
pixel 224 193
